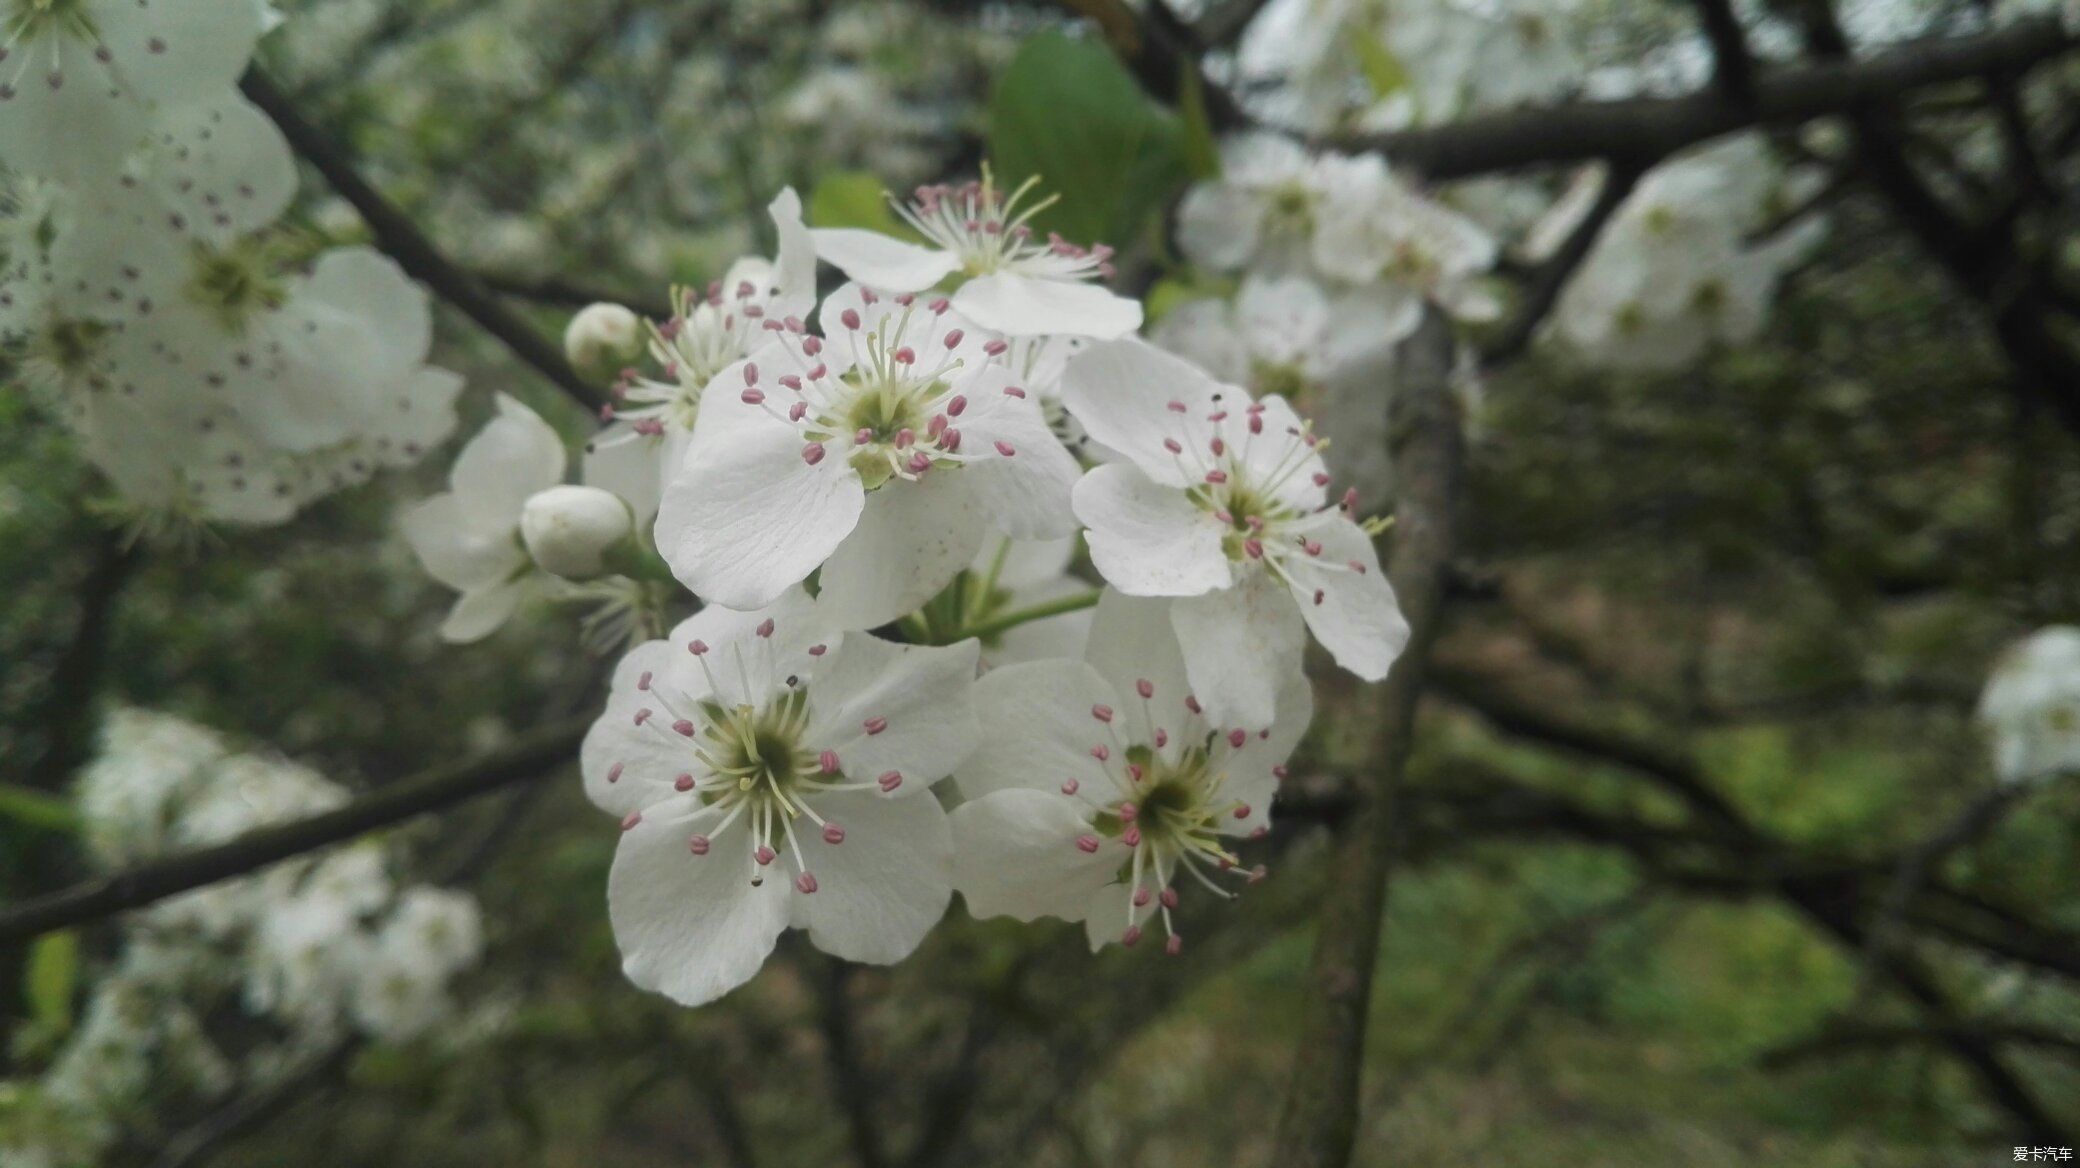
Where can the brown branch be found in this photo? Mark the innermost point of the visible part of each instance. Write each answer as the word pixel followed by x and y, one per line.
pixel 856 1096
pixel 1648 129
pixel 1544 283
pixel 527 757
pixel 1320 1115
pixel 402 240
pixel 1845 1038
pixel 562 293
pixel 1160 52
pixel 1733 70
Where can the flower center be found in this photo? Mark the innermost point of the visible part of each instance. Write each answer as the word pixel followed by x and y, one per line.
pixel 32 19
pixel 234 285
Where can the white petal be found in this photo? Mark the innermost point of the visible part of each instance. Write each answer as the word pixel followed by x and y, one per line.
pixel 642 760
pixel 1239 645
pixel 1358 620
pixel 1024 563
pixel 1121 391
pixel 632 466
pixel 1283 319
pixel 478 612
pixel 1218 225
pixel 1027 491
pixel 1111 908
pixel 1038 730
pixel 367 285
pixel 1251 780
pixel 747 665
pixel 1131 641
pixel 746 518
pixel 794 264
pixel 1147 539
pixel 911 540
pixel 880 262
pixel 1061 635
pixel 883 889
pixel 512 457
pixel 175 50
pixel 222 165
pixel 456 551
pixel 691 927
pixel 1015 855
pixel 921 698
pixel 1203 332
pixel 1028 306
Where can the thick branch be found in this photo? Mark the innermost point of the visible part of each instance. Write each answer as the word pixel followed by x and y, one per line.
pixel 1322 1097
pixel 1648 129
pixel 528 756
pixel 402 240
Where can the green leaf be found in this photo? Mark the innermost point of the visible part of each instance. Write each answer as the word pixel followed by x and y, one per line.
pixel 1202 156
pixel 48 983
pixel 854 198
pixel 37 809
pixel 1065 111
pixel 1383 71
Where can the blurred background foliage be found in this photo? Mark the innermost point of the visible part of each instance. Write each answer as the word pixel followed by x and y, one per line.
pixel 1784 571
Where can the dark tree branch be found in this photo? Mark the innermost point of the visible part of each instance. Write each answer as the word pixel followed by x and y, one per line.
pixel 1544 283
pixel 529 756
pixel 67 711
pixel 849 1080
pixel 562 293
pixel 1733 70
pixel 1849 1037
pixel 195 1145
pixel 1648 129
pixel 1320 1116
pixel 402 240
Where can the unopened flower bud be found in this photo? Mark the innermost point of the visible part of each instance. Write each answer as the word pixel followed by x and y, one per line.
pixel 569 530
pixel 601 339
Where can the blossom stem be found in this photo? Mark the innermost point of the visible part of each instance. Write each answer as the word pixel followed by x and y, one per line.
pixel 1010 620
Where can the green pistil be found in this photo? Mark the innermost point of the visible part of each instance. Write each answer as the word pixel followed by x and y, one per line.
pixel 33 19
pixel 234 285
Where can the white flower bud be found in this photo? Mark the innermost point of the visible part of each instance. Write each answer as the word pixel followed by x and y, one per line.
pixel 569 530
pixel 602 338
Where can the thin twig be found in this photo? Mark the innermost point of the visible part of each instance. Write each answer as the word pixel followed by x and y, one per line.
pixel 402 240
pixel 1543 285
pixel 848 1080
pixel 527 757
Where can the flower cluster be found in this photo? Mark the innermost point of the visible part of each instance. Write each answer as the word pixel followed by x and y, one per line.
pixel 1338 258
pixel 877 501
pixel 1689 259
pixel 307 952
pixel 213 367
pixel 2031 706
pixel 1330 247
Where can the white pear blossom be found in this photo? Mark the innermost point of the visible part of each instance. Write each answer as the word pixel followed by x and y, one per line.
pixel 1223 502
pixel 1678 268
pixel 1263 210
pixel 2031 706
pixel 1013 283
pixel 469 537
pixel 78 77
pixel 770 772
pixel 652 418
pixel 881 451
pixel 1389 235
pixel 403 988
pixel 1331 354
pixel 569 530
pixel 1103 783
